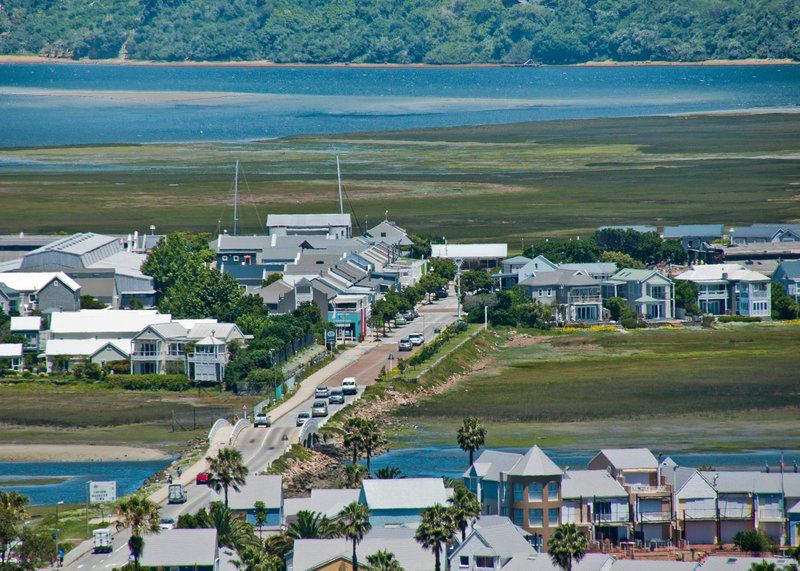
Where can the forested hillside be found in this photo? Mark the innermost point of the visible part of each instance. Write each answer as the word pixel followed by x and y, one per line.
pixel 403 31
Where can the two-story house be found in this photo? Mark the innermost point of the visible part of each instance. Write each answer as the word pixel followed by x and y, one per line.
pixel 401 501
pixel 29 327
pixel 695 503
pixel 574 295
pixel 788 275
pixel 649 293
pixel 486 479
pixel 730 289
pixel 32 292
pixel 597 503
pixel 258 488
pixel 491 544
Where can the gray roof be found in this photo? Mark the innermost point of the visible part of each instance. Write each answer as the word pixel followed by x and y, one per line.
pixel 180 547
pixel 766 231
pixel 630 458
pixel 265 488
pixel 497 536
pixel 535 463
pixel 657 565
pixel 78 244
pixel 590 483
pixel 308 220
pixel 491 463
pixel 324 501
pixel 605 268
pixel 708 230
pixel 393 234
pixel 744 481
pixel 739 563
pixel 559 278
pixel 590 562
pixel 517 260
pixel 274 292
pixel 405 493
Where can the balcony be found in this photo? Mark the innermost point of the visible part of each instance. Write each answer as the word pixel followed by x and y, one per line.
pixel 147 355
pixel 770 514
pixel 699 513
pixel 584 298
pixel 208 359
pixel 735 512
pixel 611 518
pixel 655 517
pixel 644 489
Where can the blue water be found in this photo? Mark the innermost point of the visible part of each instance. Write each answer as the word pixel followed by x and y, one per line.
pixel 452 462
pixel 81 104
pixel 128 475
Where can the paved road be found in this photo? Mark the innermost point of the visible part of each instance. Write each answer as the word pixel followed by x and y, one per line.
pixel 261 446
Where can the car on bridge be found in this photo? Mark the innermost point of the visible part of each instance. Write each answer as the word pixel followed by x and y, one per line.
pixel 319 408
pixel 405 344
pixel 303 417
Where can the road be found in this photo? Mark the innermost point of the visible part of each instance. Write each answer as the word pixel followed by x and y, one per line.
pixel 261 446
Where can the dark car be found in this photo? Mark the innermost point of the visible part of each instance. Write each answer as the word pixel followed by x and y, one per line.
pixel 336 397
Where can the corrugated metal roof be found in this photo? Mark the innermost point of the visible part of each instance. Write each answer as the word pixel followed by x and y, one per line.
pixel 180 548
pixel 559 278
pixel 84 347
pixel 324 501
pixel 258 488
pixel 98 321
pixel 406 493
pixel 590 483
pixel 603 268
pixel 78 244
pixel 308 220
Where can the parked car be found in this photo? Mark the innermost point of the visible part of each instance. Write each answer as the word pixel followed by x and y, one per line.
pixel 303 417
pixel 167 523
pixel 202 479
pixel 322 392
pixel 399 320
pixel 408 315
pixel 442 293
pixel 349 386
pixel 405 344
pixel 262 419
pixel 416 339
pixel 319 408
pixel 336 397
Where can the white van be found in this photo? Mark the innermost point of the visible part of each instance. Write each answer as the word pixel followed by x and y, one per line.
pixel 349 386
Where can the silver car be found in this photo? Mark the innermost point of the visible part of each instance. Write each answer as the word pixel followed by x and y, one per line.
pixel 320 408
pixel 302 418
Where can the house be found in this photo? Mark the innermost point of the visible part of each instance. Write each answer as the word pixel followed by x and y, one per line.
pixel 176 549
pixel 520 268
pixel 573 295
pixel 730 289
pixel 328 502
pixel 492 542
pixel 649 293
pixel 694 237
pixel 333 226
pixel 765 233
pixel 395 502
pixel 472 255
pixel 485 478
pixel 695 506
pixel 762 257
pixel 30 292
pixel 650 496
pixel 336 554
pixel 29 327
pixel 103 323
pixel 11 356
pixel 263 488
pixel 389 233
pixel 65 353
pixel 742 563
pixel 788 275
pixel 597 503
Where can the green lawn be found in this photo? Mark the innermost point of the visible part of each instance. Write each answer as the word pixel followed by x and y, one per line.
pixel 509 182
pixel 729 388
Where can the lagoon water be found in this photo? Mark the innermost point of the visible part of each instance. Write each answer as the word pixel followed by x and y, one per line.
pixel 44 104
pixel 452 462
pixel 128 475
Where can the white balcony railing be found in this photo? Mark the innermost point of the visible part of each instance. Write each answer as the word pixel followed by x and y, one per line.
pixel 585 299
pixel 208 359
pixel 700 513
pixel 735 512
pixel 653 517
pixel 770 514
pixel 149 355
pixel 646 489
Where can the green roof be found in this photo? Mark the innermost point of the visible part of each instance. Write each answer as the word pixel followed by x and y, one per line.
pixel 632 275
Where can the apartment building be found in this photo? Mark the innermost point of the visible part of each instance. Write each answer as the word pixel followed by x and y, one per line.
pixel 597 503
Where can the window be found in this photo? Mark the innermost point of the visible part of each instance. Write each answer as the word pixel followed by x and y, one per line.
pixel 236 258
pixel 504 511
pixel 484 562
pixel 540 292
pixel 224 258
pixel 552 517
pixel 383 234
pixel 535 518
pixel 549 292
pixel 518 517
pixel 517 492
pixel 534 492
pixel 552 491
pixel 463 562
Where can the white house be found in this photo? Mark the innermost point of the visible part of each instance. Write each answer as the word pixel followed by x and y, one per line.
pixel 11 354
pixel 99 351
pixel 491 544
pixel 730 289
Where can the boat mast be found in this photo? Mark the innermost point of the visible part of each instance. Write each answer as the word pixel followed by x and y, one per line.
pixel 236 198
pixel 339 178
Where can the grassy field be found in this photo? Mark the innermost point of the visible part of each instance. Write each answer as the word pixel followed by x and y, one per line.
pixel 731 388
pixel 510 182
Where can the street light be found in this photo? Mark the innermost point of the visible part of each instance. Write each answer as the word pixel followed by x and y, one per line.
pixel 59 503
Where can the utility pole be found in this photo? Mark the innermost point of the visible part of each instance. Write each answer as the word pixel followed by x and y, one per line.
pixel 236 198
pixel 339 178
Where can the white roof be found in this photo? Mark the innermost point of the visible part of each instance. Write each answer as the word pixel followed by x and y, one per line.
pixel 470 251
pixel 311 553
pixel 264 488
pixel 590 483
pixel 99 321
pixel 405 493
pixel 694 486
pixel 84 347
pixel 308 220
pixel 180 548
pixel 497 535
pixel 10 349
pixel 324 501
pixel 630 458
pixel 714 273
pixel 29 323
pixel 744 481
pixel 590 562
pixel 535 463
pixel 34 281
pixel 719 563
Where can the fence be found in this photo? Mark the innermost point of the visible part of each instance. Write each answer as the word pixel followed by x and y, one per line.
pixel 199 417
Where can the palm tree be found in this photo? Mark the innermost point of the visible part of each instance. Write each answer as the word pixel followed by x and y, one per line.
pixel 354 474
pixel 139 515
pixel 259 560
pixel 227 470
pixel 763 566
pixel 471 437
pixel 389 473
pixel 13 514
pixel 353 524
pixel 435 530
pixel 311 525
pixel 372 438
pixel 567 544
pixel 260 515
pixel 383 561
pixel 354 435
pixel 463 506
pixel 232 531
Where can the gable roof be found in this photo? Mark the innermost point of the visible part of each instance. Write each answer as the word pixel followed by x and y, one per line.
pixel 790 269
pixel 85 347
pixel 394 234
pixel 707 230
pixel 744 481
pixel 517 260
pixel 535 463
pixel 637 275
pixel 721 272
pixel 99 321
pixel 35 281
pixel 180 548
pixel 590 268
pixel 258 487
pixel 591 483
pixel 560 277
pixel 406 493
pixel 491 463
pixel 690 484
pixel 325 501
pixel 315 220
pixel 630 458
pixel 498 536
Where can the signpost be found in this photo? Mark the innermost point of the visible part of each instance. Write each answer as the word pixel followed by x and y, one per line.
pixel 330 339
pixel 99 493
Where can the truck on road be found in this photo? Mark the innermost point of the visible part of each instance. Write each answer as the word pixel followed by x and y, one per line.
pixel 177 495
pixel 102 540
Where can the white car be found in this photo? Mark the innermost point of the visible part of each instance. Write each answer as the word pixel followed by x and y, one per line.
pixel 167 523
pixel 416 339
pixel 349 386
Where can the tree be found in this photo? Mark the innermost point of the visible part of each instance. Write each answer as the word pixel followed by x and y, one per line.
pixel 388 473
pixel 763 566
pixel 621 259
pixel 227 470
pixel 435 531
pixel 371 439
pixel 311 525
pixel 13 513
pixel 420 247
pixel 431 282
pixel 353 524
pixel 471 437
pixel 442 267
pixel 616 306
pixel 476 281
pixel 752 541
pixel 383 561
pixel 36 549
pixel 354 436
pixel 232 531
pixel 260 515
pixel 271 279
pixel 256 559
pixel 686 296
pixel 139 515
pixel 567 544
pixel 463 506
pixel 783 305
pixel 355 474
pixel 88 302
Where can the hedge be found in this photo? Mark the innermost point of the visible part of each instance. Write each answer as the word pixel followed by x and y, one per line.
pixel 149 382
pixel 737 319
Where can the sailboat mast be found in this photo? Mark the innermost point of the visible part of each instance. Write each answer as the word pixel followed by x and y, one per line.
pixel 339 178
pixel 236 198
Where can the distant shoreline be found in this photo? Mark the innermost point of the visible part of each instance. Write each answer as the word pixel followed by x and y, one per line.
pixel 15 59
pixel 76 453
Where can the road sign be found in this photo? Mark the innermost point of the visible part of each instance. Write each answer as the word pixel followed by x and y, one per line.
pixel 102 492
pixel 330 335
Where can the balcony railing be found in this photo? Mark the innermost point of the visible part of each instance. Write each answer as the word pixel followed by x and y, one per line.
pixel 641 489
pixel 653 517
pixel 770 514
pixel 208 359
pixel 149 355
pixel 585 298
pixel 700 513
pixel 611 518
pixel 735 512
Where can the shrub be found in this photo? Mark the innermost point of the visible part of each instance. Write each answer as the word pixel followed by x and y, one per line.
pixel 149 382
pixel 752 541
pixel 271 377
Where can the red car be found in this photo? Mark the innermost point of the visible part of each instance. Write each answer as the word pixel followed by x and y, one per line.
pixel 202 479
